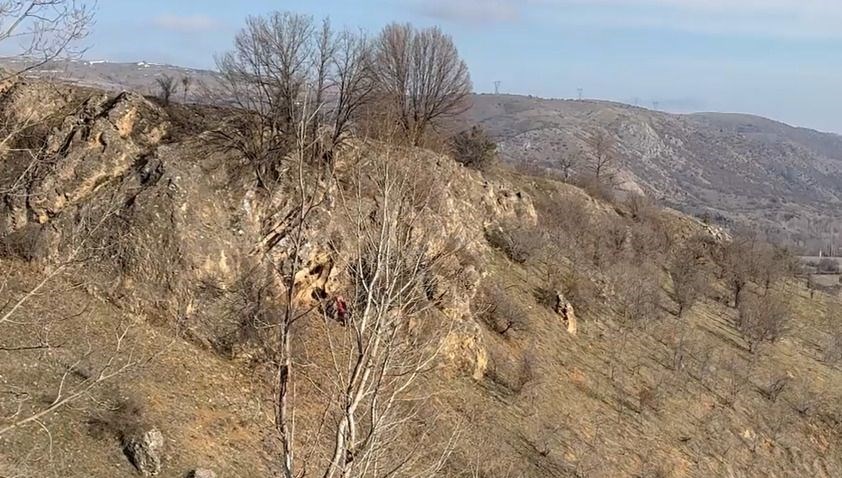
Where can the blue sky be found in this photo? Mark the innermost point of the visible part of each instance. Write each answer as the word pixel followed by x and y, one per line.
pixel 776 58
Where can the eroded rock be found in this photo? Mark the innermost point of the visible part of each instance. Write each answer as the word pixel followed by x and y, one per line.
pixel 564 308
pixel 144 451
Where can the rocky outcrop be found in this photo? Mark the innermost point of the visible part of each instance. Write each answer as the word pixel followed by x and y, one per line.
pixel 565 310
pixel 144 451
pixel 100 142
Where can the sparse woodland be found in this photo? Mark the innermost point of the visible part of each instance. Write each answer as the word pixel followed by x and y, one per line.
pixel 331 279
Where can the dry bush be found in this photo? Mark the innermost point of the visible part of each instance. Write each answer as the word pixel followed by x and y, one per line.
pixel 518 242
pixel 689 281
pixel 774 387
pixel 560 277
pixel 804 400
pixel 737 373
pixel 568 225
pixel 249 310
pixel 762 319
pixel 650 397
pixel 774 264
pixel 828 266
pixel 474 148
pixel 615 234
pixel 596 188
pixel 509 371
pixel 122 420
pixel 636 291
pixel 603 156
pixel 640 208
pixel 500 312
pixel 650 239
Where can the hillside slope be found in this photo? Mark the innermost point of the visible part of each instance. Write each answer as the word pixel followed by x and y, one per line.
pixel 131 242
pixel 736 168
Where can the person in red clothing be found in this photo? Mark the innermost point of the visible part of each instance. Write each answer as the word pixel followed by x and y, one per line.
pixel 341 309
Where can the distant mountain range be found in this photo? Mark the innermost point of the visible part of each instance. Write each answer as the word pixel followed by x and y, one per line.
pixel 733 168
pixel 139 76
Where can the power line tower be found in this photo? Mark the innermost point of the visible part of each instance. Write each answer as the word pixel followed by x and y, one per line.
pixel 497 87
pixel 580 91
pixel 636 101
pixel 656 105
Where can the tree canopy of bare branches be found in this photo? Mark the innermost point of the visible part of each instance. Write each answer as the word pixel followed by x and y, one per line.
pixel 603 155
pixel 474 148
pixel 166 88
pixel 762 319
pixel 45 30
pixel 420 74
pixel 280 62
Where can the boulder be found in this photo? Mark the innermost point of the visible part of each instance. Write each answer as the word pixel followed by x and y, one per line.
pixel 565 309
pixel 144 451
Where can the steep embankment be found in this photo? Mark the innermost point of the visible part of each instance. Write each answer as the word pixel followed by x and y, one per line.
pixel 734 167
pixel 561 356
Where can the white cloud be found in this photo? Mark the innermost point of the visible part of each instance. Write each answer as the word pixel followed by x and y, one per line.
pixel 184 23
pixel 775 18
pixel 470 11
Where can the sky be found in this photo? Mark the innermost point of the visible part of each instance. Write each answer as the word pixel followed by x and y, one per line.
pixel 776 58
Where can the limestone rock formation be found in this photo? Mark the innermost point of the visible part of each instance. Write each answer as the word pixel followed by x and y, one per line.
pixel 144 451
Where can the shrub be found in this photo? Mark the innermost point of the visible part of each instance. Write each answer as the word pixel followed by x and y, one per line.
pixel 828 266
pixel 596 188
pixel 474 148
pixel 762 319
pixel 636 290
pixel 688 280
pixel 123 420
pixel 640 207
pixel 497 310
pixel 774 388
pixel 510 372
pixel 517 242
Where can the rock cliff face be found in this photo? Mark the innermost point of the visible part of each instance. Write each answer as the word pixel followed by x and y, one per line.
pixel 170 222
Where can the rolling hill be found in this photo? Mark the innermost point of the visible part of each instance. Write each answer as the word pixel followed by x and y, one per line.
pixel 734 168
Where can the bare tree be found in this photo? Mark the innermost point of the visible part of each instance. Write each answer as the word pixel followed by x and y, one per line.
pixel 421 74
pixel 567 163
pixel 262 81
pixel 385 344
pixel 186 82
pixel 603 155
pixel 739 263
pixel 393 335
pixel 166 88
pixel 45 30
pixel 762 319
pixel 688 280
pixel 278 61
pixel 353 82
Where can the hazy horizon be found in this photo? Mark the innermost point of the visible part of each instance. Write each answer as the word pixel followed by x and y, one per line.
pixel 778 59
